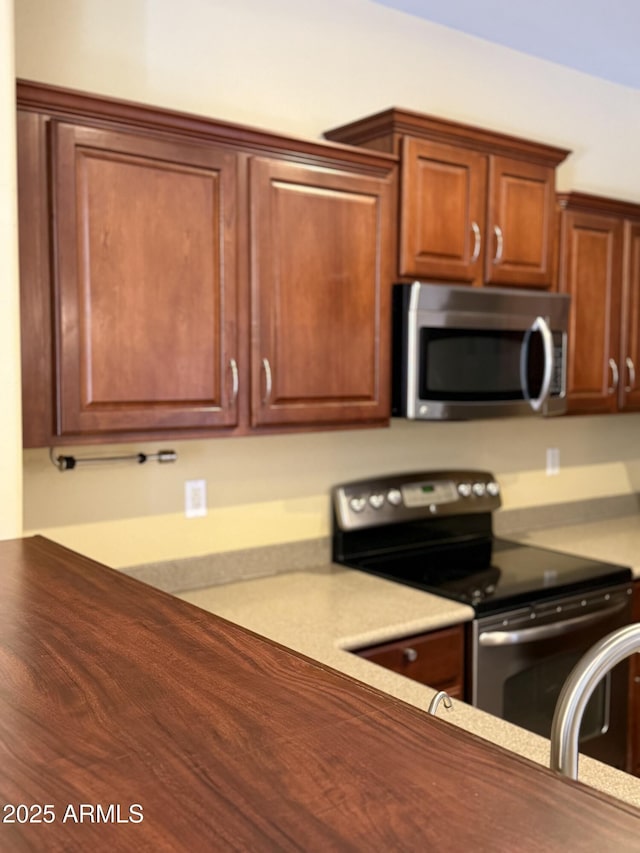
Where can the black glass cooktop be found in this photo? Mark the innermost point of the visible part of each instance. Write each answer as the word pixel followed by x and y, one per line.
pixel 493 574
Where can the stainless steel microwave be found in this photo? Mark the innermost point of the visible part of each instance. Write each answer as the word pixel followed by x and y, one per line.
pixel 461 352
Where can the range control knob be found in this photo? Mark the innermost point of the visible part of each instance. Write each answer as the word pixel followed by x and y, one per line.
pixel 394 496
pixel 464 489
pixel 479 489
pixel 376 500
pixel 357 503
pixel 493 489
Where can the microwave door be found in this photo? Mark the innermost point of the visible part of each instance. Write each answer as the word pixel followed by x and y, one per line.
pixel 540 326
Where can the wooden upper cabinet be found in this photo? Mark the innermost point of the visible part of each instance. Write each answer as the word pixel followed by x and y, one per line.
pixel 144 282
pixel 592 276
pixel 320 294
pixel 521 223
pixel 600 270
pixel 186 277
pixel 475 206
pixel 629 395
pixel 442 217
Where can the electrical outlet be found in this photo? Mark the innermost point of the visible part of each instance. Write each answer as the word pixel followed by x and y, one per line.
pixel 553 461
pixel 195 498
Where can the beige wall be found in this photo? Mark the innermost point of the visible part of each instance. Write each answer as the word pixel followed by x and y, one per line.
pixel 10 450
pixel 301 68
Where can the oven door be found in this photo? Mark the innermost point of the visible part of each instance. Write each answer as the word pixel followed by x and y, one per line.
pixel 521 659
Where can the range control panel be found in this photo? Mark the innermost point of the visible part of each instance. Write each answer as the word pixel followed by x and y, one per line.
pixel 406 497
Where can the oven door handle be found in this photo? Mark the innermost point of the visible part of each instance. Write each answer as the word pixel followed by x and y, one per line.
pixel 544 632
pixel 538 325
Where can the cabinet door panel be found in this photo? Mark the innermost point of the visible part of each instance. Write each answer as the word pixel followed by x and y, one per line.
pixel 320 294
pixel 629 397
pixel 442 217
pixel 145 282
pixel 592 275
pixel 38 404
pixel 634 696
pixel 521 206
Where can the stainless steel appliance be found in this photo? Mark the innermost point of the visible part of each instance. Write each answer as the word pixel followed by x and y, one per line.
pixel 536 611
pixel 463 352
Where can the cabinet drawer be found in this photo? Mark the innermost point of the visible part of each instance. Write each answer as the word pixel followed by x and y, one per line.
pixel 436 659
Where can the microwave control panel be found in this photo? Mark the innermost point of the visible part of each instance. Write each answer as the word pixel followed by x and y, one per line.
pixel 557 388
pixel 407 497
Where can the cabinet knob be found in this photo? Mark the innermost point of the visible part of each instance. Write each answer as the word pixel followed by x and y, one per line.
pixel 410 655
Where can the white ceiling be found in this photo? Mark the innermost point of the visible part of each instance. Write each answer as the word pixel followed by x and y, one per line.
pixel 597 37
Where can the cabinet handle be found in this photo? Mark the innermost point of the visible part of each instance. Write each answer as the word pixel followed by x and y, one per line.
pixel 235 383
pixel 497 230
pixel 410 655
pixel 268 381
pixel 478 242
pixel 632 374
pixel 615 375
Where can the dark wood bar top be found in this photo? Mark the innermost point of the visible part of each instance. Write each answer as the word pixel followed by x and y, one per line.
pixel 130 720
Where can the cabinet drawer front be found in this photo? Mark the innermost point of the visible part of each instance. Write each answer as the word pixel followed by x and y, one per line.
pixel 436 659
pixel 144 282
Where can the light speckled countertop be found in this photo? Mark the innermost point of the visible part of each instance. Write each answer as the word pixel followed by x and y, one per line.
pixel 614 540
pixel 324 611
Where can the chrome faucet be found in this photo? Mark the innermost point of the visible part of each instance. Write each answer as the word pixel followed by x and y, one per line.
pixel 577 690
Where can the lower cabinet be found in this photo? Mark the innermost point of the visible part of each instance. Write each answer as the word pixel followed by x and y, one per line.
pixel 634 696
pixel 435 659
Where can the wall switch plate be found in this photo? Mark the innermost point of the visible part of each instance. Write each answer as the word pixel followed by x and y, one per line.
pixel 553 461
pixel 195 498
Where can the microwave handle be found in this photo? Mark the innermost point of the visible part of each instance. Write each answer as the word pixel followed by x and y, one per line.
pixel 538 325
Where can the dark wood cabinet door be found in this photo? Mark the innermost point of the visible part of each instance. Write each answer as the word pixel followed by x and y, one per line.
pixel 321 281
pixel 634 695
pixel 443 211
pixel 629 396
pixel 145 282
pixel 520 223
pixel 36 327
pixel 435 659
pixel 591 272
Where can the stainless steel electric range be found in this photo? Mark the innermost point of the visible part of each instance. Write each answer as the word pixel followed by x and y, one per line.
pixel 537 611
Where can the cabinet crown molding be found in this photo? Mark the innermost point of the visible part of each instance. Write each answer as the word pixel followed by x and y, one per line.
pixel 598 204
pixel 402 122
pixel 98 110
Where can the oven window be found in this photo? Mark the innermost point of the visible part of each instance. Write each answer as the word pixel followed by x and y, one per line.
pixel 530 698
pixel 470 364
